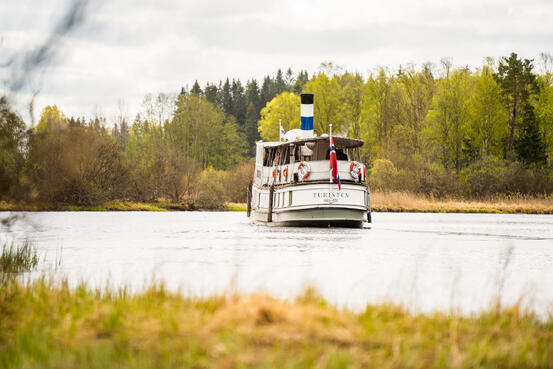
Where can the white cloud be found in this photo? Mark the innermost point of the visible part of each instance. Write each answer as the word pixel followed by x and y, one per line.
pixel 128 48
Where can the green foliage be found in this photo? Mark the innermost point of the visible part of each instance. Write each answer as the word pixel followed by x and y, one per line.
pixel 352 87
pixel 52 121
pixel 487 177
pixel 381 104
pixel 449 117
pixel 517 83
pixel 383 175
pixel 79 165
pixel 252 135
pixel 487 115
pixel 237 180
pixel 12 141
pixel 529 145
pixel 327 104
pixel 201 131
pixel 446 134
pixel 284 108
pixel 544 111
pixel 430 178
pixel 211 192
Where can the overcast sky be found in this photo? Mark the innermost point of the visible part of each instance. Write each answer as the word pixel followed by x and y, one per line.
pixel 127 48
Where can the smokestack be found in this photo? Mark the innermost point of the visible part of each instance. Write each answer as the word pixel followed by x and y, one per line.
pixel 307 115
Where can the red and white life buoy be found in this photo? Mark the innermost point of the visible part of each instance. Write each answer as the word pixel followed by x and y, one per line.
pixel 276 173
pixel 355 170
pixel 285 173
pixel 304 170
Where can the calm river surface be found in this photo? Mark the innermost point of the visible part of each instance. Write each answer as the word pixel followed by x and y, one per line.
pixel 426 261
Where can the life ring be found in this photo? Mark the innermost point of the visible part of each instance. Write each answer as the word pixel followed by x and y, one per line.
pixel 276 173
pixel 285 173
pixel 355 170
pixel 304 170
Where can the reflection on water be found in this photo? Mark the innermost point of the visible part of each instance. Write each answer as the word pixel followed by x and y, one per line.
pixel 426 261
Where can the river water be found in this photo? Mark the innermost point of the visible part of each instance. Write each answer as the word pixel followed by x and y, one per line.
pixel 427 262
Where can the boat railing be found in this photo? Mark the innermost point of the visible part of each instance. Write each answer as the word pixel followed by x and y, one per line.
pixel 313 171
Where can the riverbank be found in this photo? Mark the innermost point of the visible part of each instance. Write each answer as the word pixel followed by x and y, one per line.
pixel 113 206
pixel 46 325
pixel 380 202
pixel 408 202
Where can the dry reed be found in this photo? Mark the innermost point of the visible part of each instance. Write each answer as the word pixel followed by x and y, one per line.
pixel 409 202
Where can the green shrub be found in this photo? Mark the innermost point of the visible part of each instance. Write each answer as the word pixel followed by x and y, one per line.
pixel 211 193
pixel 383 175
pixel 237 181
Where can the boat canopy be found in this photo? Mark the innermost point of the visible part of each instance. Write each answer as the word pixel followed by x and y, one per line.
pixel 339 142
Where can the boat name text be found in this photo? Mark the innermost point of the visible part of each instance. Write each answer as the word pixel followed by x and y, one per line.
pixel 331 195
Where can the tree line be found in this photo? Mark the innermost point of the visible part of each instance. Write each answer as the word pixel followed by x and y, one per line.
pixel 439 130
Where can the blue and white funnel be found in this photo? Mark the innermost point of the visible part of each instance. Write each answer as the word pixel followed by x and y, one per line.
pixel 307 115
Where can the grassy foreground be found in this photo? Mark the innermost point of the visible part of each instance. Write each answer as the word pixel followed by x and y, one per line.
pixel 43 325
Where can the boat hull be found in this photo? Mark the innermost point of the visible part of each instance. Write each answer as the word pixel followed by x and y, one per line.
pixel 313 204
pixel 316 217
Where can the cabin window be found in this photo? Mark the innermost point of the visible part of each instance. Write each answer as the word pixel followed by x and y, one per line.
pixel 285 157
pixel 290 198
pixel 341 154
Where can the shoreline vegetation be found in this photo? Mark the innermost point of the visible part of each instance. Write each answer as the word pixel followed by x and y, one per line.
pixel 451 132
pixel 47 324
pixel 409 202
pixel 117 206
pixel 381 201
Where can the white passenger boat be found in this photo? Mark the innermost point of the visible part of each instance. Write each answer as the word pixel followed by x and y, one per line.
pixel 304 180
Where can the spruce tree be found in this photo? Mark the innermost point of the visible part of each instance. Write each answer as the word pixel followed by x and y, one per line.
pixel 253 95
pixel 266 91
pixel 210 92
pixel 517 84
pixel 196 89
pixel 226 97
pixel 239 106
pixel 301 80
pixel 289 79
pixel 280 84
pixel 530 146
pixel 252 134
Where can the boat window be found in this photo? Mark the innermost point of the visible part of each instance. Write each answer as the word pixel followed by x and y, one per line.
pixel 276 159
pixel 285 157
pixel 341 154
